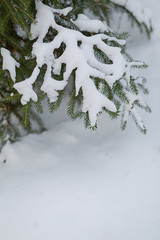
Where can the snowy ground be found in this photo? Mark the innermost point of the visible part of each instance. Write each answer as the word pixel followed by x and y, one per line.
pixel 69 183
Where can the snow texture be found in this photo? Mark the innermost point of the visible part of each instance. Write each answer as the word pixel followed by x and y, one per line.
pixel 9 63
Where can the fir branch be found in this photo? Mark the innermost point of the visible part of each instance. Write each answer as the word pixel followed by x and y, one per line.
pixel 11 40
pixel 3 107
pixel 71 97
pixel 25 110
pixel 25 13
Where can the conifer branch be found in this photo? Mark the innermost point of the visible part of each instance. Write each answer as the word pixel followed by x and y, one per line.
pixel 26 115
pixel 71 97
pixel 3 107
pixel 25 13
pixel 12 41
pixel 40 64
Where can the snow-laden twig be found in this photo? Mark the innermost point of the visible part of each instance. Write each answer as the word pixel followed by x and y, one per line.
pixel 78 55
pixel 9 63
pixel 25 87
pixel 131 109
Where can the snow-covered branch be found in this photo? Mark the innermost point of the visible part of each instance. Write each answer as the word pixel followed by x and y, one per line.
pixel 78 55
pixel 9 63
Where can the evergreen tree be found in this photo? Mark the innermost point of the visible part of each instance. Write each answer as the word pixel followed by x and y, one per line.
pixel 46 44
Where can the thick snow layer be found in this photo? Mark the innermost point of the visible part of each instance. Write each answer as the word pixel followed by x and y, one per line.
pixel 25 88
pixel 9 63
pixel 86 24
pixel 70 183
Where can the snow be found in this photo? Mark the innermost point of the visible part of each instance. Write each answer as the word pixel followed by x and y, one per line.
pixel 20 32
pixel 70 183
pixel 86 24
pixel 83 61
pixel 93 99
pixel 25 87
pixel 9 63
pixel 50 85
pixel 130 108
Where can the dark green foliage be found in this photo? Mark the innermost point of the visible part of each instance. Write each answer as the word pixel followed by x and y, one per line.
pixel 20 14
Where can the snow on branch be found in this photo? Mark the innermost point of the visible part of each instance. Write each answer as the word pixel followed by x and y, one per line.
pixel 78 55
pixel 25 87
pixel 130 109
pixel 86 24
pixel 9 63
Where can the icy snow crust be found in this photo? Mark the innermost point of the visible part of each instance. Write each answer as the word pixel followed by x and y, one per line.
pixel 81 58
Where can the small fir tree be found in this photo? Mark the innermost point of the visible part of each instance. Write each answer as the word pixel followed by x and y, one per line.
pixel 46 44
